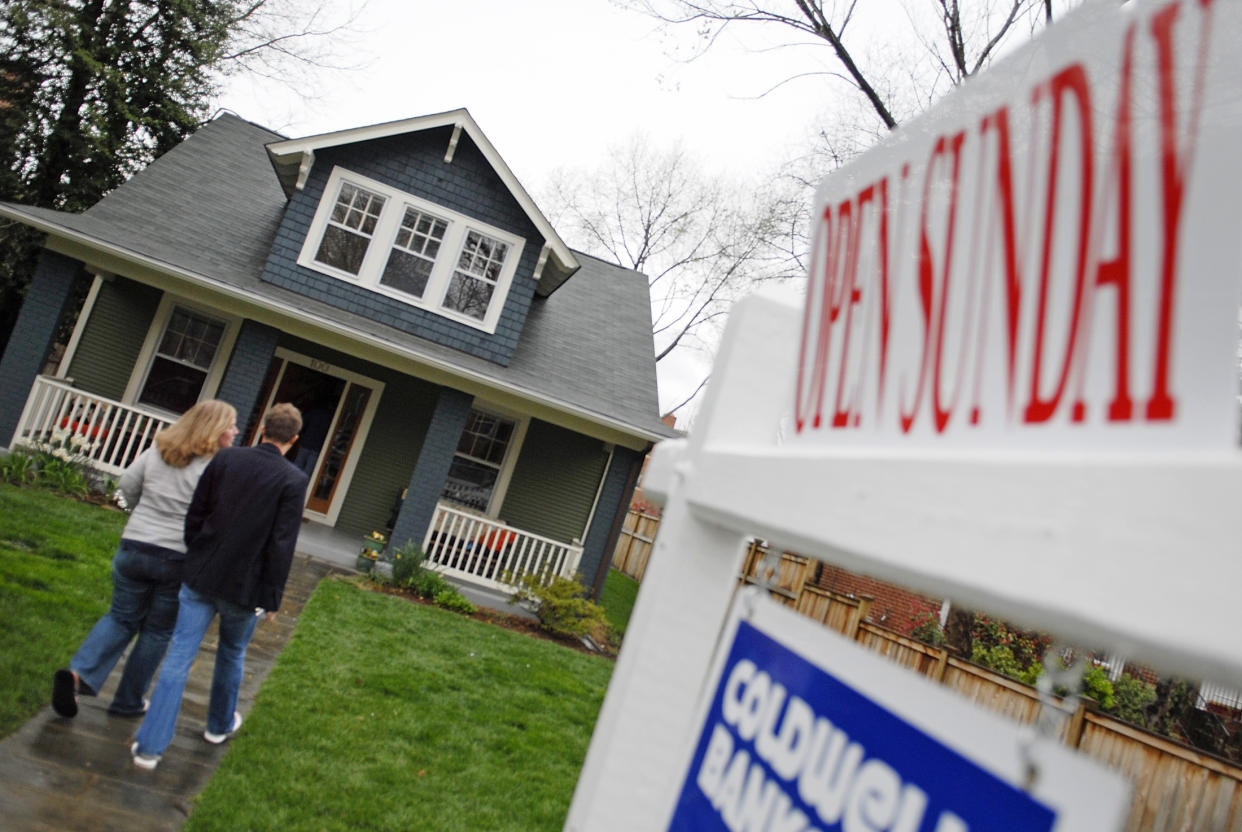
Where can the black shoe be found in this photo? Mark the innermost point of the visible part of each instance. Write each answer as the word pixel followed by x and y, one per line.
pixel 64 693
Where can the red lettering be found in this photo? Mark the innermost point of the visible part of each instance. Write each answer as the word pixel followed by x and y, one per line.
pixel 1174 164
pixel 850 295
pixel 1070 81
pixel 815 277
pixel 885 297
pixel 941 414
pixel 999 121
pixel 927 290
pixel 1116 272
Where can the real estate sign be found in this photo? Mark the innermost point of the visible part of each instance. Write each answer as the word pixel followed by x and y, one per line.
pixel 1013 384
pixel 1050 258
pixel 804 730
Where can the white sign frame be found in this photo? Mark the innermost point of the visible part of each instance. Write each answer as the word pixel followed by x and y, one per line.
pixel 1130 548
pixel 1007 751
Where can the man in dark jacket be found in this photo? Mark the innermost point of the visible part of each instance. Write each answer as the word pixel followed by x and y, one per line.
pixel 240 533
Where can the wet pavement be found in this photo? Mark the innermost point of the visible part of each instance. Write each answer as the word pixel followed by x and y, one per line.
pixel 75 774
pixel 60 774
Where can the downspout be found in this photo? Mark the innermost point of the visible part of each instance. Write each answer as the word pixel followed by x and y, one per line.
pixel 610 544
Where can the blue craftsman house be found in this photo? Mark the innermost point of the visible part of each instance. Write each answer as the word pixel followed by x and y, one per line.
pixel 467 380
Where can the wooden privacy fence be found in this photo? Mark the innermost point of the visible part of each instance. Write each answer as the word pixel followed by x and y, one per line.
pixel 1175 787
pixel 634 543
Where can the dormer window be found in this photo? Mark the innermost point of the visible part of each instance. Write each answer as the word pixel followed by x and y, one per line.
pixel 414 253
pixel 409 249
pixel 348 232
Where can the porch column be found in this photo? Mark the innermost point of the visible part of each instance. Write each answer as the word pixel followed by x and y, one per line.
pixel 47 298
pixel 432 467
pixel 243 379
pixel 614 502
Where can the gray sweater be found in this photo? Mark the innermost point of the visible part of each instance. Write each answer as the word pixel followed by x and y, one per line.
pixel 159 495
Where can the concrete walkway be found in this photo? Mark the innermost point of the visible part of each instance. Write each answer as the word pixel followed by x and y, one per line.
pixel 76 774
pixel 60 774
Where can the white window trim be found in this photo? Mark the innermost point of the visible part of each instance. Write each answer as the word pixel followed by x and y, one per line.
pixel 521 422
pixel 382 242
pixel 142 367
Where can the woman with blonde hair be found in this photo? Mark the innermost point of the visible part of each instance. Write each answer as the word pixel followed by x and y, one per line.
pixel 146 570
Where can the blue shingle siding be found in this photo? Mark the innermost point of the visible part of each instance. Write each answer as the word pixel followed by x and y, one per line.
pixel 256 344
pixel 47 297
pixel 430 471
pixel 614 498
pixel 414 163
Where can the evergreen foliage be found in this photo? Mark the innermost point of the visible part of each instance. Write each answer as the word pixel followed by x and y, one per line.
pixel 93 90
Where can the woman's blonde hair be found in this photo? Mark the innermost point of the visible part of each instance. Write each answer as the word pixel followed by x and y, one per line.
pixel 196 433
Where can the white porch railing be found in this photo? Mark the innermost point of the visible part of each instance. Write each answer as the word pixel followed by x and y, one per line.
pixel 490 553
pixel 110 434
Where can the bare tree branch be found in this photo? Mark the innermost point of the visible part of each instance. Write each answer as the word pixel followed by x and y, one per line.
pixel 700 241
pixel 690 398
pixel 992 24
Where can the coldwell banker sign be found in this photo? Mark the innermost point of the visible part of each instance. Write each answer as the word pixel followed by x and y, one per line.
pixel 807 732
pixel 1054 252
pixel 1013 384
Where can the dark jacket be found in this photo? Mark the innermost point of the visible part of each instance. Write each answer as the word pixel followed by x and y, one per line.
pixel 242 526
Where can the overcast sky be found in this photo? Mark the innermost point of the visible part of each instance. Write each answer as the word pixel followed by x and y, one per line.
pixel 551 82
pixel 554 83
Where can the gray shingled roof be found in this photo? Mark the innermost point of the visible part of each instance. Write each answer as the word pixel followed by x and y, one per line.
pixel 211 206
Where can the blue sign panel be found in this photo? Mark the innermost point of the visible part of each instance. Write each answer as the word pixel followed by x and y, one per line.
pixel 788 747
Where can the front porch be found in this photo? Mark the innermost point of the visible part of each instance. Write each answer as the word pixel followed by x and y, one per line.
pixel 103 433
pixel 340 549
pixel 467 547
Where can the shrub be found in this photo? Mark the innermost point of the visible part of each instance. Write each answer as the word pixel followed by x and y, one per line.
pixel 63 476
pixel 1001 658
pixel 409 573
pixel 18 467
pixel 407 561
pixel 1097 685
pixel 425 583
pixel 927 629
pixel 563 606
pixel 56 466
pixel 1026 646
pixel 1133 695
pixel 451 599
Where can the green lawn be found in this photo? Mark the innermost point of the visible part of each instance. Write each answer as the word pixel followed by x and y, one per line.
pixel 617 599
pixel 55 582
pixel 382 714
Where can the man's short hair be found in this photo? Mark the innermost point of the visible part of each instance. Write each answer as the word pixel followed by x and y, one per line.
pixel 282 423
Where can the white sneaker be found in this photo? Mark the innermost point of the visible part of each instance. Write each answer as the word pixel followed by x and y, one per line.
pixel 146 761
pixel 216 739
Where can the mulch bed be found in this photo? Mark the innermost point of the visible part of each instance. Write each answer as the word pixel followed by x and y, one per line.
pixel 508 621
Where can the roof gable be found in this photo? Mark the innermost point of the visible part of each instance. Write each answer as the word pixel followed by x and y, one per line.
pixel 293 159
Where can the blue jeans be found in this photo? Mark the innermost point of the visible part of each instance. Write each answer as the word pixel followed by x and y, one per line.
pixel 144 601
pixel 236 627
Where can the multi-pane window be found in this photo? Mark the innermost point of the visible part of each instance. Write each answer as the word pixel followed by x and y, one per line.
pixel 182 360
pixel 477 273
pixel 402 246
pixel 414 252
pixel 350 227
pixel 476 464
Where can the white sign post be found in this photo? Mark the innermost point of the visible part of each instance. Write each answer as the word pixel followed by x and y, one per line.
pixel 1013 384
